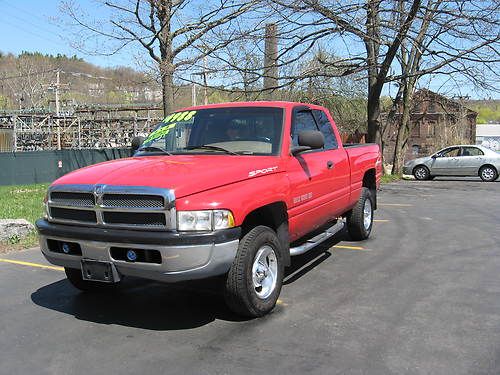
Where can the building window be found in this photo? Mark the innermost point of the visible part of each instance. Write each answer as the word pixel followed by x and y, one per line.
pixel 415 150
pixel 415 131
pixel 431 129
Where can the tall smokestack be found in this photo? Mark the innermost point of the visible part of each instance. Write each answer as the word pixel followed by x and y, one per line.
pixel 270 58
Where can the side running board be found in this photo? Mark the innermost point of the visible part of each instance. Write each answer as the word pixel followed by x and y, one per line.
pixel 316 240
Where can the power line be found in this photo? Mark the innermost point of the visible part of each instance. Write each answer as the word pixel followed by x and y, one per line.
pixel 28 21
pixel 32 33
pixel 23 10
pixel 28 74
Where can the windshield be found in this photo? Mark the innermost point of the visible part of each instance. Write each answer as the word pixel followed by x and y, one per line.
pixel 236 130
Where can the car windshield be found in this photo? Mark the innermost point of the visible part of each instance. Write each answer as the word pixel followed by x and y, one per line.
pixel 232 131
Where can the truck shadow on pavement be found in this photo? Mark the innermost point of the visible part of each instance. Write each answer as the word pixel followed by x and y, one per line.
pixel 139 304
pixel 160 307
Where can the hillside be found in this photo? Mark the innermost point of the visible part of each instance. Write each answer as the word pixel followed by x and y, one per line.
pixel 27 81
pixel 488 110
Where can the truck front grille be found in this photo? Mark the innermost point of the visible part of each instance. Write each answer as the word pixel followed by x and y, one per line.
pixel 85 216
pixel 73 199
pixel 132 201
pixel 150 219
pixel 133 207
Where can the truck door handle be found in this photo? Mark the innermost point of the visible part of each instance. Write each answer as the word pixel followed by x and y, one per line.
pixel 329 164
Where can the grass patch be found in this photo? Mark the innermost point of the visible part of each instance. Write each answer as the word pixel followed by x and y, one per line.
pixel 21 202
pixel 386 178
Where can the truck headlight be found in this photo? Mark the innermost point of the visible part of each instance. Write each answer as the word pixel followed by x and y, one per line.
pixel 204 220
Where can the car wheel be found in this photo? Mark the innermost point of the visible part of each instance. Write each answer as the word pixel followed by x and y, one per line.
pixel 254 281
pixel 360 218
pixel 76 279
pixel 488 173
pixel 421 172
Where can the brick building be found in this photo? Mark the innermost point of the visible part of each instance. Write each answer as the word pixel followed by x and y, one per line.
pixel 436 122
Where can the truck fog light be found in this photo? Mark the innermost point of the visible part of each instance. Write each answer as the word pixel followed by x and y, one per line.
pixel 65 248
pixel 131 255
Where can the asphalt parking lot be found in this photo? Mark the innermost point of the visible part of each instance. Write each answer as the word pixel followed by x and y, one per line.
pixel 422 296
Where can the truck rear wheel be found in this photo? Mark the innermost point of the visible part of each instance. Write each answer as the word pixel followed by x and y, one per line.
pixel 360 218
pixel 254 281
pixel 75 278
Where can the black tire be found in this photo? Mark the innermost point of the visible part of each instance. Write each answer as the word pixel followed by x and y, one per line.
pixel 421 172
pixel 240 293
pixel 75 278
pixel 488 173
pixel 356 217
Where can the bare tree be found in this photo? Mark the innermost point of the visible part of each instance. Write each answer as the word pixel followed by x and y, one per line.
pixel 26 80
pixel 305 23
pixel 450 41
pixel 175 34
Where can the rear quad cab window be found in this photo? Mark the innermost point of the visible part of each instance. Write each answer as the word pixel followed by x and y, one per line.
pixel 235 130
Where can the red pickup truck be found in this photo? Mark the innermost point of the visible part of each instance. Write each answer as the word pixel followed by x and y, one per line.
pixel 233 189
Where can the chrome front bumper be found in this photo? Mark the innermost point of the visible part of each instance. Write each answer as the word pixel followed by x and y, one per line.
pixel 178 263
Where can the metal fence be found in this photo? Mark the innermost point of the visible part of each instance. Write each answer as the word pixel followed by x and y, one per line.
pixel 46 166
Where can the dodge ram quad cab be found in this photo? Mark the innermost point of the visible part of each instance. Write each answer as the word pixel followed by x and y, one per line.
pixel 232 190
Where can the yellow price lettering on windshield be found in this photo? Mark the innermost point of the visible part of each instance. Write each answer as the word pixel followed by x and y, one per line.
pixel 180 116
pixel 189 115
pixel 159 133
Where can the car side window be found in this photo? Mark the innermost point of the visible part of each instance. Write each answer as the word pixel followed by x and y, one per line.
pixel 302 120
pixel 471 151
pixel 450 152
pixel 326 128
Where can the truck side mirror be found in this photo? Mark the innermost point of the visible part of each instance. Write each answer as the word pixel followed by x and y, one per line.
pixel 136 143
pixel 309 140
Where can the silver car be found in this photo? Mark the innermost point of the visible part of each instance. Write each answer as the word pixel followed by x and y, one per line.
pixel 461 160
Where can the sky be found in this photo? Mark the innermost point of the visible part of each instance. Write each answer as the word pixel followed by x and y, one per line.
pixel 36 26
pixel 32 25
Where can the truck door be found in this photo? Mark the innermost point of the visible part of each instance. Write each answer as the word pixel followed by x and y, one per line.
pixel 319 179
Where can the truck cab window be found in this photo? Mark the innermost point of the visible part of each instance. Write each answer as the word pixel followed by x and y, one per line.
pixel 326 128
pixel 302 120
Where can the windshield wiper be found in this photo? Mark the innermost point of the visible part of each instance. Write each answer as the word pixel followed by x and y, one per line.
pixel 155 148
pixel 210 147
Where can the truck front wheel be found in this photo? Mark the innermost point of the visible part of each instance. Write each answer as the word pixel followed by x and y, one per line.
pixel 254 281
pixel 360 218
pixel 75 278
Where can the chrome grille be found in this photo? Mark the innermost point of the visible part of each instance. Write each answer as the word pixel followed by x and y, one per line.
pixel 73 199
pixel 132 201
pixel 133 207
pixel 86 216
pixel 135 218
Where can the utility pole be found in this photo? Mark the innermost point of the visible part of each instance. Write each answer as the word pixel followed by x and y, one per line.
pixel 58 84
pixel 193 93
pixel 205 94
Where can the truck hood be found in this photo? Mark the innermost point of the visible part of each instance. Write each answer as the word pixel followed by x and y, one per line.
pixel 185 174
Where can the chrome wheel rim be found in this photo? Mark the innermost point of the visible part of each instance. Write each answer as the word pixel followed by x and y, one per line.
pixel 420 173
pixel 367 214
pixel 488 173
pixel 264 272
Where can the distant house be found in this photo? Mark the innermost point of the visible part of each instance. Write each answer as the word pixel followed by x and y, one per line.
pixel 488 135
pixel 436 122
